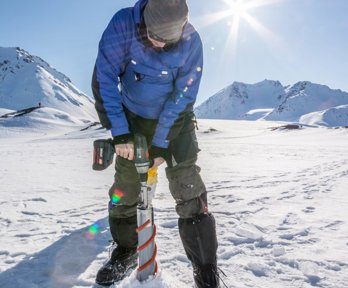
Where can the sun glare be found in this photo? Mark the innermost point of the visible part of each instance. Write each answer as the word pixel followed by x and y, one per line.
pixel 233 13
pixel 238 8
pixel 238 11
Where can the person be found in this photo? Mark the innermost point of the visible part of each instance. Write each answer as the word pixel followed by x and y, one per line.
pixel 146 79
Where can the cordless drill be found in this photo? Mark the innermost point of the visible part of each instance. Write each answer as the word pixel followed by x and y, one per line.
pixel 103 154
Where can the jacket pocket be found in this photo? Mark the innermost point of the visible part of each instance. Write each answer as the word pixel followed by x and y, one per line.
pixel 145 74
pixel 145 86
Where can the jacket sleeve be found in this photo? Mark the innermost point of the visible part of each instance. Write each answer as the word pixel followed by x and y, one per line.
pixel 109 65
pixel 184 96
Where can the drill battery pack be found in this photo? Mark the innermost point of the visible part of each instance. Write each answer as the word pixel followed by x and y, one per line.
pixel 103 154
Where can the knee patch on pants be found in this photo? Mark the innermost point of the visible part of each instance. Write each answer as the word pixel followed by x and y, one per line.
pixel 193 207
pixel 187 188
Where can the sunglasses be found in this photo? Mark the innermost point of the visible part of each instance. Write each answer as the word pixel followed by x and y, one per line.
pixel 159 39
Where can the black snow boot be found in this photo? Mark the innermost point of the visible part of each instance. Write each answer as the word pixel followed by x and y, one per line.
pixel 206 276
pixel 122 260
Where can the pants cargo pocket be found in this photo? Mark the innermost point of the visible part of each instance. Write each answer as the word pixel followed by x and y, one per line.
pixel 124 192
pixel 186 187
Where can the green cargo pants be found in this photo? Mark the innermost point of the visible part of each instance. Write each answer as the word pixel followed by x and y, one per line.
pixel 196 226
pixel 185 183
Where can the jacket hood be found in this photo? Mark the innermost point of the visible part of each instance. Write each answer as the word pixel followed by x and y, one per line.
pixel 138 8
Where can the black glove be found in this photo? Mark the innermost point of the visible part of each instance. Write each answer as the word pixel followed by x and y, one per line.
pixel 155 152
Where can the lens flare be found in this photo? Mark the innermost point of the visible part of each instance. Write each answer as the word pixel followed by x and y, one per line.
pixel 92 231
pixel 116 196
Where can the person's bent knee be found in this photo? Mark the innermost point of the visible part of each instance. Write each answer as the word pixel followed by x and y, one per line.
pixel 122 211
pixel 193 207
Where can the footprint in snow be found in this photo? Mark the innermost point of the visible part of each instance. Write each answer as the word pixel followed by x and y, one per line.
pixel 309 209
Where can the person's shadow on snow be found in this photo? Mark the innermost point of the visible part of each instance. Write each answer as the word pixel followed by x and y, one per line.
pixel 60 264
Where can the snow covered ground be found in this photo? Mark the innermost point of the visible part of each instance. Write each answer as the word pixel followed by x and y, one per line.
pixel 279 197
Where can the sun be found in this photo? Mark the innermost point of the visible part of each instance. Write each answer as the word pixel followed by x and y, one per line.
pixel 241 10
pixel 238 7
pixel 235 12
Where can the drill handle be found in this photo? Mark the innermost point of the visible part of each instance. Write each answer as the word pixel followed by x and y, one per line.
pixel 141 156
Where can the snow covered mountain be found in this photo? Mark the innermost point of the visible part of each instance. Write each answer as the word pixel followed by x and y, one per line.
pixel 269 100
pixel 305 97
pixel 336 116
pixel 243 101
pixel 27 82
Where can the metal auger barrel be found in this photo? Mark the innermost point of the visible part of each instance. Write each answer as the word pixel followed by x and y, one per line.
pixel 147 250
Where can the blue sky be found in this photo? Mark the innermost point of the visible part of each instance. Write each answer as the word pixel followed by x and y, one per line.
pixel 285 40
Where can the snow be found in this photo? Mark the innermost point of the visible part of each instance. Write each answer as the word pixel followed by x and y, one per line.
pixel 279 199
pixel 43 119
pixel 303 102
pixel 336 116
pixel 306 97
pixel 278 195
pixel 27 80
pixel 240 100
pixel 4 111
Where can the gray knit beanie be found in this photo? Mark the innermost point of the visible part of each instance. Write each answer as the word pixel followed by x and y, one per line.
pixel 166 18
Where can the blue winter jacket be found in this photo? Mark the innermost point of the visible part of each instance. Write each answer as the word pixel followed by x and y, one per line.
pixel 160 85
